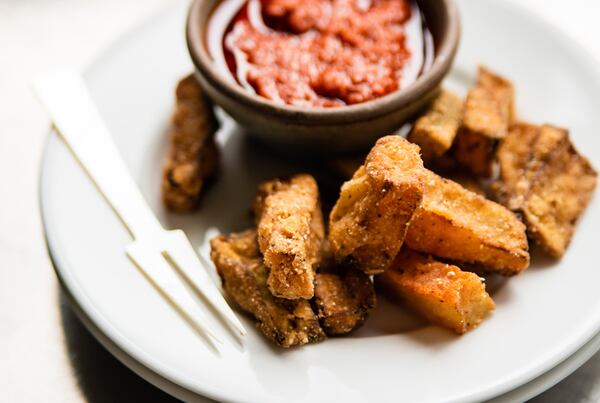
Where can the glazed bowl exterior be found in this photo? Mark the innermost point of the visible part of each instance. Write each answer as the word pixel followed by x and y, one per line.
pixel 335 130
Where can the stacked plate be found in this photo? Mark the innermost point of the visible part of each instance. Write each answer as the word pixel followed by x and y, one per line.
pixel 547 319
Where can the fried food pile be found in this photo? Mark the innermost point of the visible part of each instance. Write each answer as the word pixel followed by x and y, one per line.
pixel 282 272
pixel 534 170
pixel 244 275
pixel 424 217
pixel 400 220
pixel 490 184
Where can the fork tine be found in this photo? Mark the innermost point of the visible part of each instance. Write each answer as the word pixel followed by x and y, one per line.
pixel 161 275
pixel 68 102
pixel 183 255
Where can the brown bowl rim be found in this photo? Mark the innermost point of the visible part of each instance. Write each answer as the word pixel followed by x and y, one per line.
pixel 349 113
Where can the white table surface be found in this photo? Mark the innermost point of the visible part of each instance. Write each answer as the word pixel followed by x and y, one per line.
pixel 45 353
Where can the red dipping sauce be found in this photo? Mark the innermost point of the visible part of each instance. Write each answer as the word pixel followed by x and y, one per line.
pixel 320 53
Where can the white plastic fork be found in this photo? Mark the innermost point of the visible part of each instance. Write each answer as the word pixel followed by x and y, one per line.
pixel 155 251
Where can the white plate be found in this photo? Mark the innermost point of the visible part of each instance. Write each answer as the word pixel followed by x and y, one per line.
pixel 543 316
pixel 520 394
pixel 552 377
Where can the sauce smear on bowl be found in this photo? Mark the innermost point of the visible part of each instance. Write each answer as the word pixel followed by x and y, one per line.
pixel 320 53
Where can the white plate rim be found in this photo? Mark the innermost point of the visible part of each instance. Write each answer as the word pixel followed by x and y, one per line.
pixel 522 393
pixel 109 332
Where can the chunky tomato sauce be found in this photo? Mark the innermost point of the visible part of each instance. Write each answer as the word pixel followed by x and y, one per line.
pixel 321 53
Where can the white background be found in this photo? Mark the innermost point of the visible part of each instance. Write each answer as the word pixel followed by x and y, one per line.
pixel 45 355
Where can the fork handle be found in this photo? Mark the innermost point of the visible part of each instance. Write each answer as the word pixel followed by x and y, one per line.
pixel 75 117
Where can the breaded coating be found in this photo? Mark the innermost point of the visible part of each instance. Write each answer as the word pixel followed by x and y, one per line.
pixel 455 223
pixel 435 130
pixel 193 156
pixel 368 223
pixel 466 180
pixel 244 275
pixel 512 155
pixel 290 234
pixel 343 298
pixel 488 112
pixel 442 293
pixel 544 178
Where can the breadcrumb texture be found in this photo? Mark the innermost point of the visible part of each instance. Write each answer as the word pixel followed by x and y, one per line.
pixel 442 293
pixel 290 234
pixel 240 266
pixel 466 180
pixel 192 157
pixel 513 155
pixel 488 112
pixel 435 130
pixel 455 223
pixel 343 299
pixel 368 223
pixel 545 179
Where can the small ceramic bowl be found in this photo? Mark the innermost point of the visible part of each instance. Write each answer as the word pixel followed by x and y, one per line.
pixel 325 130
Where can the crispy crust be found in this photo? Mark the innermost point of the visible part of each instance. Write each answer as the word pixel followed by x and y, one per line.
pixel 466 180
pixel 343 300
pixel 512 155
pixel 488 112
pixel 240 266
pixel 442 293
pixel 545 179
pixel 193 156
pixel 368 223
pixel 455 223
pixel 435 130
pixel 290 234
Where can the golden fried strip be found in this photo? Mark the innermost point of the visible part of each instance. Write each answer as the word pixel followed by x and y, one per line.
pixel 442 293
pixel 521 156
pixel 435 130
pixel 512 155
pixel 193 156
pixel 344 299
pixel 466 180
pixel 488 112
pixel 455 223
pixel 368 223
pixel 240 266
pixel 290 234
pixel 545 179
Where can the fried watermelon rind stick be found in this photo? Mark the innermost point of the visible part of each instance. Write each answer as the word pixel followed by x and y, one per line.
pixel 240 265
pixel 192 157
pixel 443 293
pixel 369 221
pixel 290 234
pixel 544 179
